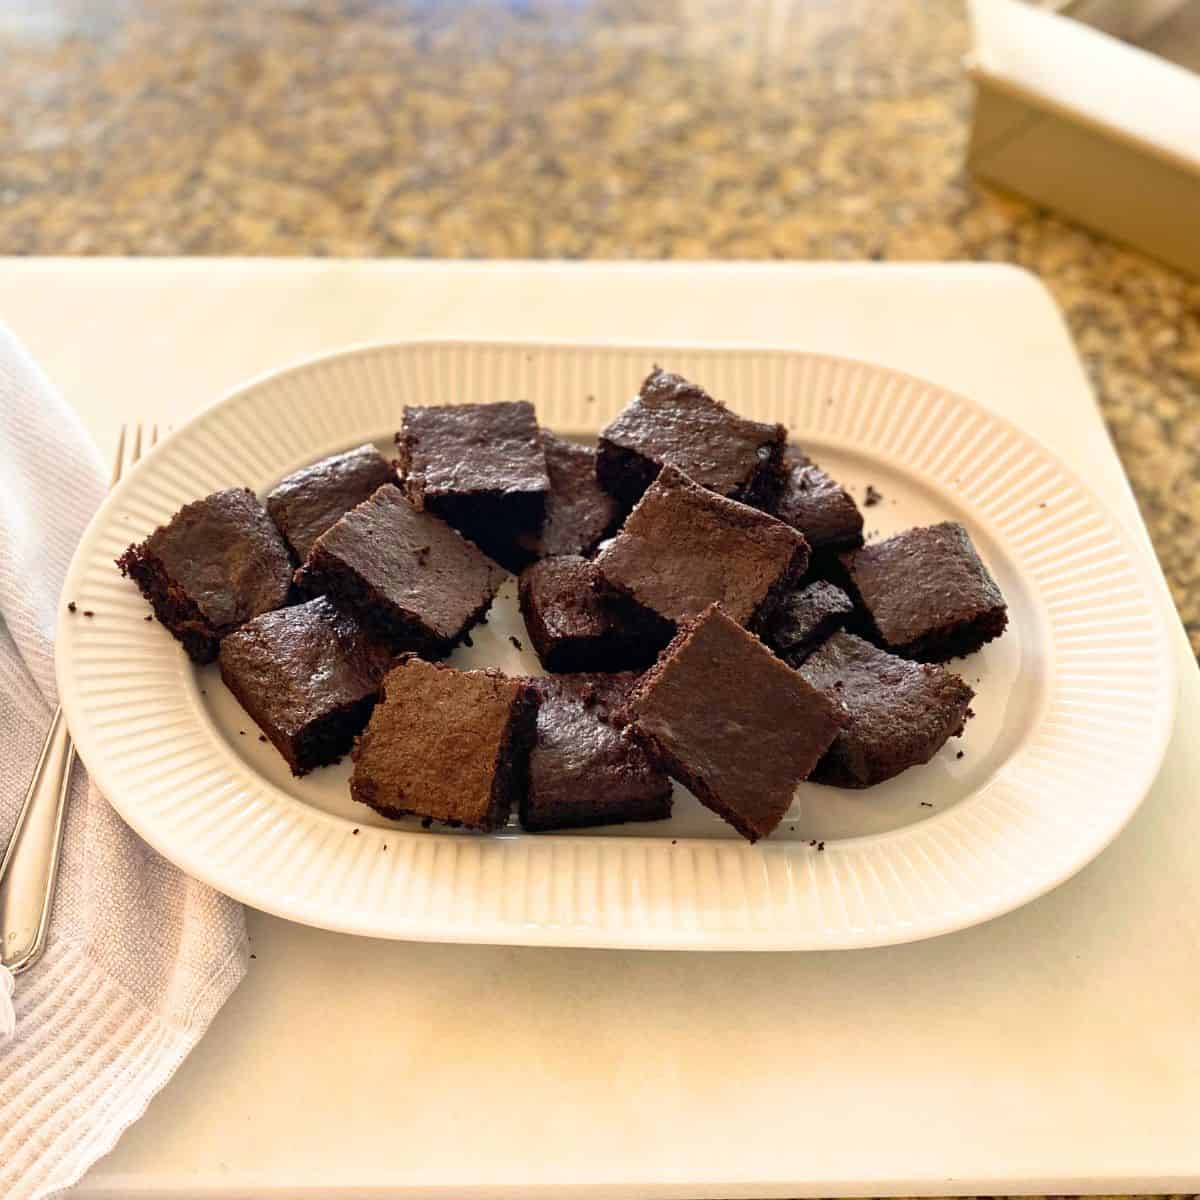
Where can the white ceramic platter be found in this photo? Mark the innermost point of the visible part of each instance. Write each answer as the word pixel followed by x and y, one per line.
pixel 1073 705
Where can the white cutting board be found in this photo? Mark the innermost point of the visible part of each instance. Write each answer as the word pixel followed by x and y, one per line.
pixel 1054 1050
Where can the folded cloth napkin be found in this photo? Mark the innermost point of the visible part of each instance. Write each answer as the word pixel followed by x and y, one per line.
pixel 139 957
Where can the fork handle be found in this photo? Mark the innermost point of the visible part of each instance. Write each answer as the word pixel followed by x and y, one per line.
pixel 31 860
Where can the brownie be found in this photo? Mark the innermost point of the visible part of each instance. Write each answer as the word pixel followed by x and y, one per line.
pixel 575 626
pixel 449 745
pixel 818 506
pixel 901 712
pixel 583 769
pixel 481 467
pixel 674 421
pixel 684 547
pixel 410 577
pixel 802 619
pixel 305 503
pixel 579 512
pixel 927 593
pixel 731 721
pixel 215 564
pixel 309 676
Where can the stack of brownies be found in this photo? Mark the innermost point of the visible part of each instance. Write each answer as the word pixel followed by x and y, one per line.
pixel 698 591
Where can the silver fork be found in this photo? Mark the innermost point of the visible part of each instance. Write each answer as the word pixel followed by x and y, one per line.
pixel 30 867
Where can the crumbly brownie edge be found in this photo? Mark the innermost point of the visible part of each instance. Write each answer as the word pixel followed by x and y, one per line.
pixel 624 473
pixel 835 770
pixel 248 702
pixel 494 522
pixel 767 481
pixel 329 738
pixel 510 776
pixel 649 634
pixel 825 628
pixel 171 605
pixel 324 575
pixel 956 640
pixel 655 807
pixel 785 583
pixel 321 742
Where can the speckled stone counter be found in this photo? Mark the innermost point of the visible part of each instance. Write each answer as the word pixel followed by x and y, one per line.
pixel 828 129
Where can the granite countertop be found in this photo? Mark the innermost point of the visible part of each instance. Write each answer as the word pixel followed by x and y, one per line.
pixel 831 129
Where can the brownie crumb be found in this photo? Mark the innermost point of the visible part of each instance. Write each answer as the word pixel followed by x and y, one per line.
pixel 354 832
pixel 203 692
pixel 241 733
pixel 71 606
pixel 674 842
pixel 1042 505
pixel 467 640
pixel 820 845
pixel 516 641
pixel 873 496
pixel 960 754
pixel 926 804
pixel 262 737
pixel 590 399
pixel 426 822
pixel 87 612
pixel 148 617
pixel 254 956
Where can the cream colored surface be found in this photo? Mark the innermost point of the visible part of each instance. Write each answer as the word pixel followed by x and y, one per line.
pixel 1092 127
pixel 1055 1049
pixel 1094 77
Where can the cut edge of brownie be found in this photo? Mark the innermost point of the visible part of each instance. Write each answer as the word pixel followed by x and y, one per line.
pixel 321 575
pixel 510 777
pixel 956 639
pixel 786 582
pixel 493 521
pixel 171 605
pixel 626 473
pixel 326 740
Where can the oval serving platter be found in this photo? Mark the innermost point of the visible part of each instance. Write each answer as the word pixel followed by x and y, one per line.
pixel 1074 704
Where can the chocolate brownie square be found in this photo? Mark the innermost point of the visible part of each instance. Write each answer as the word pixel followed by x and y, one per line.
pixel 672 421
pixel 731 721
pixel 215 564
pixel 818 506
pixel 583 769
pixel 802 619
pixel 574 626
pixel 684 547
pixel 480 467
pixel 901 712
pixel 579 512
pixel 304 504
pixel 927 593
pixel 445 744
pixel 309 676
pixel 407 575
